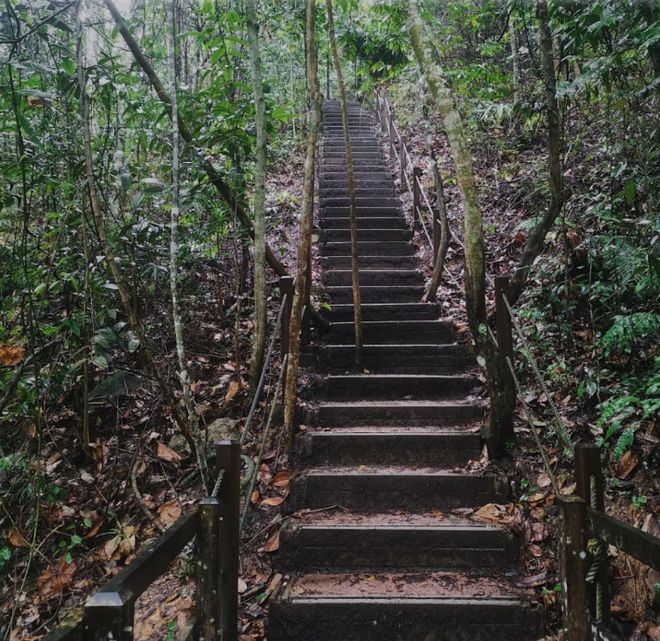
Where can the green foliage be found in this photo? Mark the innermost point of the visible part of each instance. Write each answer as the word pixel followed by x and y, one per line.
pixel 629 332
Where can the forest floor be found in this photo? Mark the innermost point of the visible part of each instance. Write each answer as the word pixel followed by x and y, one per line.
pixel 96 525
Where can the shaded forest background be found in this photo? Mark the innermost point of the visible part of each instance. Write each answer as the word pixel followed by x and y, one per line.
pixel 103 438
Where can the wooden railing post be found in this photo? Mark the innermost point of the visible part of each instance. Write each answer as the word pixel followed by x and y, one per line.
pixel 305 330
pixel 286 289
pixel 208 547
pixel 402 164
pixel 573 569
pixel 108 615
pixel 228 458
pixel 437 233
pixel 503 326
pixel 416 176
pixel 590 487
pixel 391 134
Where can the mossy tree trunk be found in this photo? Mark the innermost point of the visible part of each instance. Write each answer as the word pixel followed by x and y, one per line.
pixel 260 298
pixel 305 238
pixel 499 430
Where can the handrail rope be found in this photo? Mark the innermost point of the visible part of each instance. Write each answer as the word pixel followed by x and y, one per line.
pixel 218 482
pixel 561 430
pixel 262 445
pixel 422 190
pixel 535 434
pixel 264 369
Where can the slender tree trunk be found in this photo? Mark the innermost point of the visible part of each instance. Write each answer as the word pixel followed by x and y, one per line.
pixel 515 60
pixel 260 298
pixel 535 242
pixel 225 191
pixel 112 261
pixel 500 428
pixel 357 305
pixel 444 234
pixel 184 377
pixel 305 236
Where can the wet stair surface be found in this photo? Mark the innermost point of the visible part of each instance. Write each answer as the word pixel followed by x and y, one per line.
pixel 372 551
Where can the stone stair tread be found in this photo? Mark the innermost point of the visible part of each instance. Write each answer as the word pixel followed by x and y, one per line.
pixel 433 586
pixel 398 430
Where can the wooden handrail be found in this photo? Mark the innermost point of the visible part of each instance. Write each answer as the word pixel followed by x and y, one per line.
pixel 630 540
pixel 587 531
pixel 109 612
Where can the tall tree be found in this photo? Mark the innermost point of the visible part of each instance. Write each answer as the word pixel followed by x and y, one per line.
pixel 343 102
pixel 184 377
pixel 305 240
pixel 534 244
pixel 500 428
pixel 260 298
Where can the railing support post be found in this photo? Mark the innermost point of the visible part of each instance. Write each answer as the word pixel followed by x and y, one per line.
pixel 391 134
pixel 208 548
pixel 402 164
pixel 286 289
pixel 305 329
pixel 417 197
pixel 573 569
pixel 228 458
pixel 108 615
pixel 590 487
pixel 506 404
pixel 437 233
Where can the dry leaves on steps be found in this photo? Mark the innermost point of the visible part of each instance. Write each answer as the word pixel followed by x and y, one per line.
pixel 273 543
pixel 55 578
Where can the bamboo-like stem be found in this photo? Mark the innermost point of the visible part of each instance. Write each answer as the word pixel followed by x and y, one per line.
pixel 357 306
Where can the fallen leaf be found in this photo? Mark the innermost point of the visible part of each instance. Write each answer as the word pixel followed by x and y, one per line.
pixel 273 501
pixel 242 586
pixel 167 453
pixel 543 480
pixel 55 578
pixel 16 539
pixel 11 354
pixel 234 388
pixel 627 465
pixel 87 477
pixel 169 513
pixel 273 543
pixel 281 479
pixel 535 550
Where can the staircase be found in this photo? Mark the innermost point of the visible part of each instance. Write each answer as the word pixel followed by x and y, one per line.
pixel 374 552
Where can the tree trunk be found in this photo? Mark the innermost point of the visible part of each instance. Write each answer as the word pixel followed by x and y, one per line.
pixel 499 430
pixel 260 297
pixel 535 242
pixel 515 60
pixel 444 234
pixel 305 237
pixel 184 377
pixel 357 308
pixel 225 191
pixel 112 262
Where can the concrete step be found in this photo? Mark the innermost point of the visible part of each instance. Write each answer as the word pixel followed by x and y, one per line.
pixel 404 607
pixel 400 358
pixel 371 262
pixel 362 201
pixel 384 332
pixel 336 167
pixel 368 248
pixel 344 387
pixel 375 222
pixel 364 181
pixel 382 311
pixel 362 211
pixel 360 192
pixel 369 445
pixel 375 294
pixel 373 277
pixel 382 488
pixel 396 413
pixel 380 235
pixel 360 542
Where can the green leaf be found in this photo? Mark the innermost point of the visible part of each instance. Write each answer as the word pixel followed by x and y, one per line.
pixel 629 190
pixel 100 361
